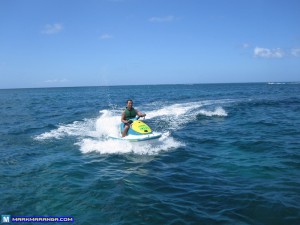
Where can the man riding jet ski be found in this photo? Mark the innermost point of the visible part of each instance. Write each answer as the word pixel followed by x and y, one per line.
pixel 132 129
pixel 128 114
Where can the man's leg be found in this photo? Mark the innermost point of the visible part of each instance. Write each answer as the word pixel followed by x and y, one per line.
pixel 125 130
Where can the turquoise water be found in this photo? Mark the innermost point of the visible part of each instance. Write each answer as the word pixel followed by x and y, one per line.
pixel 229 154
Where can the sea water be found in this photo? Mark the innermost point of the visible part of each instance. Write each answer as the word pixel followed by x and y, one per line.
pixel 229 154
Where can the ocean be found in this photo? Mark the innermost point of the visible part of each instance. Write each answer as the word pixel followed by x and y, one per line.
pixel 229 154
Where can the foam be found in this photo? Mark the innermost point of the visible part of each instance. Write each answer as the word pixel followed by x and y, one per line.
pixel 276 83
pixel 177 115
pixel 77 128
pixel 92 135
pixel 110 146
pixel 174 110
pixel 108 123
pixel 219 111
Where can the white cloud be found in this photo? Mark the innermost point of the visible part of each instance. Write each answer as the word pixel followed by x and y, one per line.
pixel 52 28
pixel 268 53
pixel 106 36
pixel 295 52
pixel 56 81
pixel 162 19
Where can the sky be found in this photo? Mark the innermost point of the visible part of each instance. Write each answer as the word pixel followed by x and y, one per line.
pixel 65 43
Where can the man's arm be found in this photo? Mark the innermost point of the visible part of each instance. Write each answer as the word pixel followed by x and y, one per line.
pixel 123 118
pixel 140 114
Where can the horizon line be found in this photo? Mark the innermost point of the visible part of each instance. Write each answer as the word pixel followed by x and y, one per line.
pixel 119 85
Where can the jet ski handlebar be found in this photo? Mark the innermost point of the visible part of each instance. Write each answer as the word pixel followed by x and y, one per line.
pixel 138 117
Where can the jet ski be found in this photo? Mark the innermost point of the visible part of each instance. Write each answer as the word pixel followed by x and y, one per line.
pixel 138 131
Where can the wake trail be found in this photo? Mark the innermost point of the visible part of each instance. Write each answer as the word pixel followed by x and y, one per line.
pixel 92 135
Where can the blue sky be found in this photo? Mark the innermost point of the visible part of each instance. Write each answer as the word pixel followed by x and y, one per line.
pixel 53 43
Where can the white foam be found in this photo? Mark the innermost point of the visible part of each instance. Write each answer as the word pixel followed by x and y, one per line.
pixel 174 110
pixel 177 115
pixel 92 135
pixel 219 111
pixel 77 128
pixel 108 123
pixel 276 83
pixel 111 146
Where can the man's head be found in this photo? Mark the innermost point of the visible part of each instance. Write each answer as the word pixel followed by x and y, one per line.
pixel 129 104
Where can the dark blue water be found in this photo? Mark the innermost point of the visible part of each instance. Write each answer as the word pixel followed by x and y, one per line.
pixel 229 154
